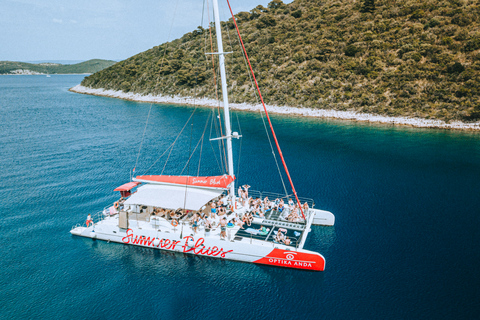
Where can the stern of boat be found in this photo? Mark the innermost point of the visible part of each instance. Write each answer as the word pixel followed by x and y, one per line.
pixel 83 231
pixel 306 260
pixel 323 218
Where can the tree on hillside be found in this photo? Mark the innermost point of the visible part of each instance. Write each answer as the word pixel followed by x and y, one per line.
pixel 275 4
pixel 368 6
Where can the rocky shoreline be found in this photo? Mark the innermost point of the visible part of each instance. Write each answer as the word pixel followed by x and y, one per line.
pixel 307 112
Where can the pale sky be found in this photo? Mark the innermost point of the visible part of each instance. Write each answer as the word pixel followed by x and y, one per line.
pixel 33 30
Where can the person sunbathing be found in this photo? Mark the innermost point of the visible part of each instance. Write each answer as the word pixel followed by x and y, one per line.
pixel 262 231
pixel 279 237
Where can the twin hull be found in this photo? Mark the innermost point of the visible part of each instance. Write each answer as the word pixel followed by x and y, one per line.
pixel 245 250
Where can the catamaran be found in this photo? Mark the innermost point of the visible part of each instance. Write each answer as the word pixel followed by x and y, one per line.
pixel 207 215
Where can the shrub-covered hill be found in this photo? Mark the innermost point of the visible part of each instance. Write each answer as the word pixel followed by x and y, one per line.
pixel 90 66
pixel 389 57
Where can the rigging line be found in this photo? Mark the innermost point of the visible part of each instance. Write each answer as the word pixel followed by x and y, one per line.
pixel 215 123
pixel 201 146
pixel 194 104
pixel 195 149
pixel 266 113
pixel 188 162
pixel 263 118
pixel 166 45
pixel 240 145
pixel 191 130
pixel 166 161
pixel 171 145
pixel 211 144
pixel 143 137
pixel 159 158
pixel 221 143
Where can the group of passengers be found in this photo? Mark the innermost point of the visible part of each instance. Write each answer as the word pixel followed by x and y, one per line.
pixel 280 237
pixel 170 214
pixel 218 209
pixel 259 208
pixel 209 219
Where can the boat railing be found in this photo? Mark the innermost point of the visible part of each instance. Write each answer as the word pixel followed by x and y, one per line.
pixel 76 226
pixel 272 196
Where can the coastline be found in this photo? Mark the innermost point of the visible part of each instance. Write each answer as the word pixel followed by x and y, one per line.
pixel 307 112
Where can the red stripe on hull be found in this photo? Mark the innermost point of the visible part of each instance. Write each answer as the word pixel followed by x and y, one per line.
pixel 294 259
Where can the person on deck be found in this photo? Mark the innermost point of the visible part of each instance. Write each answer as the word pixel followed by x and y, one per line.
pixel 262 231
pixel 246 187
pixel 305 207
pixel 279 237
pixel 240 194
pixel 195 223
pixel 245 219
pixel 213 210
pixel 223 228
pixel 89 220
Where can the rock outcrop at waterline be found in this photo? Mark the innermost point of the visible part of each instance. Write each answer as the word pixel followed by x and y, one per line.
pixel 308 112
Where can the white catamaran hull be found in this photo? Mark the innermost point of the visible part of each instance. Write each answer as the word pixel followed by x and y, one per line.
pixel 232 248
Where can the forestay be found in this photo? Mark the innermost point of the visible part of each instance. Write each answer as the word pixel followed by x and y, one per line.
pixel 172 197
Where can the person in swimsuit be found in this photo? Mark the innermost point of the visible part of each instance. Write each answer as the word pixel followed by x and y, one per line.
pixel 249 218
pixel 213 210
pixel 223 228
pixel 245 220
pixel 245 187
pixel 287 241
pixel 195 223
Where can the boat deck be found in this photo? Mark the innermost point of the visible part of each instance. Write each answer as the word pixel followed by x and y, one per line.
pixel 251 232
pixel 273 220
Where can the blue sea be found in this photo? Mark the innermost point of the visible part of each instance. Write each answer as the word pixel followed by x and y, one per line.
pixel 405 244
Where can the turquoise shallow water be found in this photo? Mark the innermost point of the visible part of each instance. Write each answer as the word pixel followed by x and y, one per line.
pixel 405 243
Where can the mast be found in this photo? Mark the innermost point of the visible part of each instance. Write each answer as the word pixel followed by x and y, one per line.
pixel 226 110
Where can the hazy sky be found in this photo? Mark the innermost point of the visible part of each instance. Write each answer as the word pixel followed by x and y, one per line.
pixel 105 29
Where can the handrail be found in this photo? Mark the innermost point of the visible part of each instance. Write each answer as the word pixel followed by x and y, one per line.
pixel 273 195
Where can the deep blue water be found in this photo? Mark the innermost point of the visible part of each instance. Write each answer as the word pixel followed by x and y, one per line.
pixel 406 201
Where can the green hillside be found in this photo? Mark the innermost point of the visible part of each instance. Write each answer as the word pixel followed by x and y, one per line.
pixel 90 66
pixel 388 57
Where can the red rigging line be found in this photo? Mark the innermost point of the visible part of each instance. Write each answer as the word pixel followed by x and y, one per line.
pixel 265 109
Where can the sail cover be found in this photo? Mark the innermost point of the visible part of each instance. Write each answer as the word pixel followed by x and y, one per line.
pixel 172 197
pixel 220 182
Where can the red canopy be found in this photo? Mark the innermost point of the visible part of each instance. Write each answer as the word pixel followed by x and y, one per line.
pixel 127 186
pixel 221 182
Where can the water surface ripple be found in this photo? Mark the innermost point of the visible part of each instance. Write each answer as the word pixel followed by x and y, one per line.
pixel 406 201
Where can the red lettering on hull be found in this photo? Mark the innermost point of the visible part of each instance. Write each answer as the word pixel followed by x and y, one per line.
pixel 199 248
pixel 294 259
pixel 193 247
